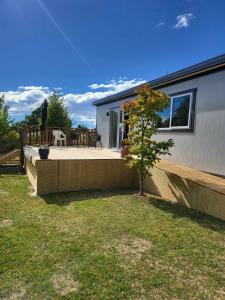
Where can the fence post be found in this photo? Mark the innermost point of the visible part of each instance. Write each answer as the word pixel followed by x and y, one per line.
pixel 21 141
pixel 68 136
pixel 29 136
pixel 36 136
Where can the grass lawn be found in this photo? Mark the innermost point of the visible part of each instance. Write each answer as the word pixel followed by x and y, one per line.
pixel 105 245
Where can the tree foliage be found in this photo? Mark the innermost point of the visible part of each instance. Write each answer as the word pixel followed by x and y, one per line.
pixel 34 119
pixel 143 150
pixel 8 135
pixel 4 117
pixel 82 126
pixel 58 114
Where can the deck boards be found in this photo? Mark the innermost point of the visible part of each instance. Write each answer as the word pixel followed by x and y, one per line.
pixel 72 153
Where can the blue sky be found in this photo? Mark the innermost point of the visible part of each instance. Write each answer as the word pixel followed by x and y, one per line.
pixel 92 48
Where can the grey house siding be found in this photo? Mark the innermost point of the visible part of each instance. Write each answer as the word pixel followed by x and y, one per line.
pixel 204 147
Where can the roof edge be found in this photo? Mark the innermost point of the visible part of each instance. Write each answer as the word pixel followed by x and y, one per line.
pixel 200 69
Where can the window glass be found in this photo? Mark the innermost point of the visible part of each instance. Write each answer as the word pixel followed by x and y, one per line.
pixel 164 118
pixel 180 111
pixel 113 117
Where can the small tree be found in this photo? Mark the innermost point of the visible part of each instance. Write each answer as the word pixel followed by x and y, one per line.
pixel 143 119
pixel 58 114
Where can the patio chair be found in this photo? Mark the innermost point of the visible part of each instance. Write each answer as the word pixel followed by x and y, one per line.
pixel 60 137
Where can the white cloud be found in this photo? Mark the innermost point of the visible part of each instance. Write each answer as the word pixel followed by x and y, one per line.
pixel 84 119
pixel 160 24
pixel 88 96
pixel 183 21
pixel 117 85
pixel 26 98
pixel 32 87
pixel 104 90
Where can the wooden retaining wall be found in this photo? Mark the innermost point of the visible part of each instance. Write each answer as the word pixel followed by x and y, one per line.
pixel 192 188
pixel 52 176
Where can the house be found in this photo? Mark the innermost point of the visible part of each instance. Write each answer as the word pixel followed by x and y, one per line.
pixel 195 119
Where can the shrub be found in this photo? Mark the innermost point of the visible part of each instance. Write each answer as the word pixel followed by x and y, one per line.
pixel 9 141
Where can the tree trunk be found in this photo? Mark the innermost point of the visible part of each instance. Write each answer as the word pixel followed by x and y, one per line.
pixel 141 192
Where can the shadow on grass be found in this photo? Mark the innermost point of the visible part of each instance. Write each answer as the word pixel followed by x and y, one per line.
pixel 10 170
pixel 63 199
pixel 178 210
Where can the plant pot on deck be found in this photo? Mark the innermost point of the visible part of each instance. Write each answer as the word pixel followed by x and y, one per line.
pixel 123 152
pixel 124 149
pixel 44 153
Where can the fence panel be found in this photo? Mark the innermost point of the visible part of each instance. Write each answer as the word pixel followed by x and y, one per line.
pixel 74 136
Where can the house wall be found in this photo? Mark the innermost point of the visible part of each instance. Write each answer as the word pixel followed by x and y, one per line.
pixel 204 147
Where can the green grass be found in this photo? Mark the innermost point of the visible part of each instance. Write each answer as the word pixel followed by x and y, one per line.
pixel 105 245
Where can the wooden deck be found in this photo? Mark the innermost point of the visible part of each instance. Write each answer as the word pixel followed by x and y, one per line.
pixel 74 169
pixel 72 153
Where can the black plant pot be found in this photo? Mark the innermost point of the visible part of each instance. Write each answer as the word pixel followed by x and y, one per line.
pixel 43 152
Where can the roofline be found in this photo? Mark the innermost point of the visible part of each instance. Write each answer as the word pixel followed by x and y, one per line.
pixel 201 69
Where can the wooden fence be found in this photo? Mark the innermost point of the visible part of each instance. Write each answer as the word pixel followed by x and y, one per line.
pixel 31 135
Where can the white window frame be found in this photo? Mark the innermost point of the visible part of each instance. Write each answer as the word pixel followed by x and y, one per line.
pixel 171 112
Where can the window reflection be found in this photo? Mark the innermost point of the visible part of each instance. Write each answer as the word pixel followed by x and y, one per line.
pixel 179 117
pixel 180 111
pixel 164 118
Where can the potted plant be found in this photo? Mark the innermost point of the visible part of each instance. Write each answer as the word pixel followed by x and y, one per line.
pixel 124 148
pixel 43 152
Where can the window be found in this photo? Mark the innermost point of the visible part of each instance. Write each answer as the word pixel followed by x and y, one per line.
pixel 113 129
pixel 179 113
pixel 164 121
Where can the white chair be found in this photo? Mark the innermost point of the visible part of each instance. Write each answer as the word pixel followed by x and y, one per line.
pixel 59 136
